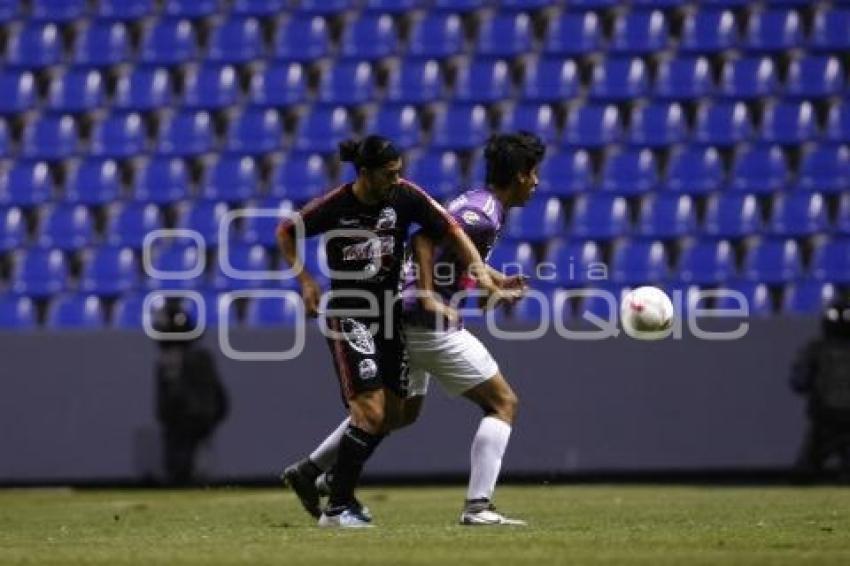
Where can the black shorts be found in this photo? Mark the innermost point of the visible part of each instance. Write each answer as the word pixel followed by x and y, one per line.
pixel 366 362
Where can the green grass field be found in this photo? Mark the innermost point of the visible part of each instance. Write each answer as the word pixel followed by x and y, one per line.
pixel 568 525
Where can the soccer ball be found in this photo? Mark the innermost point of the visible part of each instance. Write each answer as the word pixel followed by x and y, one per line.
pixel 646 313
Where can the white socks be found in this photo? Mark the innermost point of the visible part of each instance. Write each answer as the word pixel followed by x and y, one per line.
pixel 488 447
pixel 324 456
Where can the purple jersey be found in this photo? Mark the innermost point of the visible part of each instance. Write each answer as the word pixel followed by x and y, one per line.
pixel 481 216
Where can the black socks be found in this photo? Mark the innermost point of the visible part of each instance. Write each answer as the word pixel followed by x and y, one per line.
pixel 355 447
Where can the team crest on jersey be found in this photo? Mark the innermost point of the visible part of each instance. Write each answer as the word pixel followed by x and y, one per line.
pixel 470 217
pixel 368 369
pixel 386 219
pixel 358 336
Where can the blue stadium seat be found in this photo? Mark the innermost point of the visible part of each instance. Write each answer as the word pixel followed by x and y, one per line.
pixel 186 133
pixel 258 8
pixel 551 80
pixel 169 41
pixel 109 271
pixel 438 172
pixel 807 297
pixel 600 216
pixel 161 180
pixel 660 4
pixel 593 4
pixel 565 173
pixel 842 220
pixel 78 89
pixel 539 220
pixel 27 183
pixel 5 140
pixel 261 230
pixel 789 123
pixel 759 169
pixel 815 76
pixel 757 295
pixel 17 312
pixel 125 10
pixel 205 217
pixel 127 312
pixel 75 312
pixel 749 77
pixel 684 78
pixel 236 40
pixel 371 36
pixel 593 125
pixel 279 84
pixel 838 122
pixel 460 127
pixel 601 305
pixel 774 29
pixel 10 10
pixel 51 136
pixel 634 262
pixel 640 32
pixel 707 262
pixel 799 214
pixel 144 88
pixel 302 38
pixel 300 177
pixel 657 124
pixel 398 122
pixel 119 135
pixel 347 83
pixel 193 9
pixel 393 6
pixel 709 30
pixel 34 46
pixel 513 258
pixel 93 181
pixel 505 35
pixel 66 226
pixel 13 228
pixel 462 6
pixel 211 86
pixel 829 32
pixel 667 215
pixel 732 215
pixel 575 261
pixel 483 81
pixel 530 117
pixel 415 81
pixel 477 176
pixel 19 89
pixel 103 43
pixel 629 171
pixel 129 222
pixel 271 311
pixel 256 130
pixel 773 261
pixel 322 128
pixel 325 7
pixel 723 123
pixel 574 34
pixel 825 167
pixel 39 272
pixel 619 79
pixel 831 261
pixel 436 35
pixel 242 257
pixel 231 178
pixel 174 259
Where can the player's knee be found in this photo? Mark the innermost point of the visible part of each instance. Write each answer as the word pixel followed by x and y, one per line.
pixel 506 406
pixel 369 417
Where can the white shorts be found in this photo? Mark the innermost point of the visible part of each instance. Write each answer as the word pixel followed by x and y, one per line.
pixel 456 358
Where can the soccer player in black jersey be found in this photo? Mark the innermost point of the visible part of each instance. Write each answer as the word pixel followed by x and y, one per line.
pixel 369 222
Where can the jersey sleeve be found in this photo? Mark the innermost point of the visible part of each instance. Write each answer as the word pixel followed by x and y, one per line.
pixel 318 216
pixel 429 214
pixel 476 224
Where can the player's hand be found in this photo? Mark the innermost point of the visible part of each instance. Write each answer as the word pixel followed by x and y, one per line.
pixel 440 309
pixel 311 294
pixel 515 282
pixel 499 294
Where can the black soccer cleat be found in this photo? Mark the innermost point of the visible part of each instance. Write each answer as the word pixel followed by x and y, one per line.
pixel 304 486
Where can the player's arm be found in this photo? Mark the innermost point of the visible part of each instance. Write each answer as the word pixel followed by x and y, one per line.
pixel 423 257
pixel 310 290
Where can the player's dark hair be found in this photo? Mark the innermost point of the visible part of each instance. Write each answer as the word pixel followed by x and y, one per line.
pixel 371 152
pixel 508 155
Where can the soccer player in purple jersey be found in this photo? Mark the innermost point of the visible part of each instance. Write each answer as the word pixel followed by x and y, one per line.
pixel 371 218
pixel 439 346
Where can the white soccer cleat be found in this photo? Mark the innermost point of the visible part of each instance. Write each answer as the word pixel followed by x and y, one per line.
pixel 348 518
pixel 486 514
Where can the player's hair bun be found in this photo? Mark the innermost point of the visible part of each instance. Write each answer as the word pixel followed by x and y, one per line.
pixel 349 151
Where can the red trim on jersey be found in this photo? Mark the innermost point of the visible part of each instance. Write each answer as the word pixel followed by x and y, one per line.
pixel 342 362
pixel 434 204
pixel 312 206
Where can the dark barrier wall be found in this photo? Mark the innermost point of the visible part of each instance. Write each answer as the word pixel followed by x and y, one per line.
pixel 80 407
